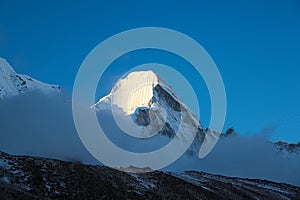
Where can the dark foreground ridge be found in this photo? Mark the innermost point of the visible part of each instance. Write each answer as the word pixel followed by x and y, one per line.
pixel 23 177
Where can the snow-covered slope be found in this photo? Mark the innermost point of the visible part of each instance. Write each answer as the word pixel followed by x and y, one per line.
pixel 12 84
pixel 143 105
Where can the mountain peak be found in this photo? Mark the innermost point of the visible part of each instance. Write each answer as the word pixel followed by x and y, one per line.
pixel 134 90
pixel 12 84
pixel 143 104
pixel 5 68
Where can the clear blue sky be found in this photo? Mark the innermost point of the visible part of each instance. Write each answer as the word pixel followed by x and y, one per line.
pixel 255 44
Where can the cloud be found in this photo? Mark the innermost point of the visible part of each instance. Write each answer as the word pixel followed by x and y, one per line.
pixel 37 125
pixel 251 157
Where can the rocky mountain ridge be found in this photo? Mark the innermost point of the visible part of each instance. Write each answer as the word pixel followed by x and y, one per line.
pixel 24 177
pixel 12 84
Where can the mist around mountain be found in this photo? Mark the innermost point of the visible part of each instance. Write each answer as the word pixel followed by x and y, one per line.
pixel 38 124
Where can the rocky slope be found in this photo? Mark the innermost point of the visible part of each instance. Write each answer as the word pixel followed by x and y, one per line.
pixel 23 177
pixel 288 148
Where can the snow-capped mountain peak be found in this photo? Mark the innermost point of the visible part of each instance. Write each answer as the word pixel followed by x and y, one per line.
pixel 134 90
pixel 143 105
pixel 12 84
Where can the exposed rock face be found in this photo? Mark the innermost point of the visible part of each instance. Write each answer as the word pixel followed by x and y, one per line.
pixel 230 132
pixel 288 148
pixel 36 178
pixel 165 96
pixel 141 116
pixel 167 130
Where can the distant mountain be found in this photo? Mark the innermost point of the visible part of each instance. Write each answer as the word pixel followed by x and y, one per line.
pixel 281 146
pixel 12 84
pixel 23 177
pixel 288 148
pixel 36 118
pixel 143 104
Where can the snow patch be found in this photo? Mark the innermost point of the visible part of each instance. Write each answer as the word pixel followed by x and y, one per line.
pixel 5 179
pixel 148 184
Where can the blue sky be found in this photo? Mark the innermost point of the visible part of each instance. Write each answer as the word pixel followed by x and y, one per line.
pixel 255 44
